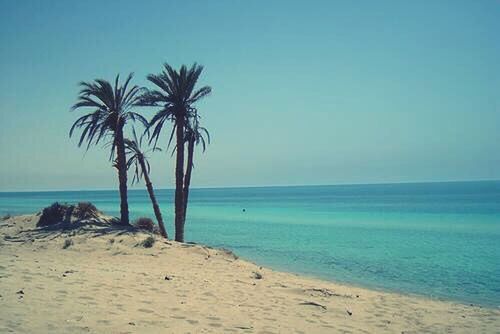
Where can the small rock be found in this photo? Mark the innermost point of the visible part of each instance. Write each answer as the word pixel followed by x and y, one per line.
pixel 168 278
pixel 20 292
pixel 349 312
pixel 131 323
pixel 257 275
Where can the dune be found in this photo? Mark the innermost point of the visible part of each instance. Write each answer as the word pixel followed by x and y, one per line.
pixel 99 278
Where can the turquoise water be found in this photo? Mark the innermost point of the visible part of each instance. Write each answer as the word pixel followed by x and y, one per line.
pixel 434 239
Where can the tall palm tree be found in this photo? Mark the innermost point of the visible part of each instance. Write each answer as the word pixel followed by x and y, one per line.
pixel 194 135
pixel 138 159
pixel 111 111
pixel 175 93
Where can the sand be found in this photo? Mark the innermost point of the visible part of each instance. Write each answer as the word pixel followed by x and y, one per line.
pixel 106 282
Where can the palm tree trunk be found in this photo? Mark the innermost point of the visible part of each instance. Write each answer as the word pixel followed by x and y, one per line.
pixel 187 178
pixel 152 196
pixel 122 175
pixel 179 180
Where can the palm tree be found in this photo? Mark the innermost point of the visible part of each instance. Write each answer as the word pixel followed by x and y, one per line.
pixel 111 111
pixel 175 93
pixel 194 135
pixel 138 159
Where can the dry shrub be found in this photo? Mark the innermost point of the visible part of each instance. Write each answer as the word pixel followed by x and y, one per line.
pixel 53 214
pixel 145 224
pixel 85 210
pixel 67 213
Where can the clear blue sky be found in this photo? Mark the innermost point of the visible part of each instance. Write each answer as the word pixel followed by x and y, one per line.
pixel 303 92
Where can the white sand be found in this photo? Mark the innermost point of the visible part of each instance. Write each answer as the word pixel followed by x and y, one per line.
pixel 108 284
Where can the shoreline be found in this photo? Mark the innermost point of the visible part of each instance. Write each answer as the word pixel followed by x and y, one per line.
pixel 371 288
pixel 107 282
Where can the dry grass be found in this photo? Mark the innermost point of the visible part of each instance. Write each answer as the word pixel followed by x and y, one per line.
pixel 85 210
pixel 53 214
pixel 145 224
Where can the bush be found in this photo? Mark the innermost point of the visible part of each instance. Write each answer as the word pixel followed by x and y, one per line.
pixel 145 224
pixel 67 213
pixel 85 210
pixel 148 242
pixel 53 214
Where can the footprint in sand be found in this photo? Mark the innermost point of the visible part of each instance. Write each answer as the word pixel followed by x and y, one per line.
pixel 178 317
pixel 86 298
pixel 216 325
pixel 145 310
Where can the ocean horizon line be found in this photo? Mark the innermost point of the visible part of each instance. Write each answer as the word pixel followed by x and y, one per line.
pixel 261 186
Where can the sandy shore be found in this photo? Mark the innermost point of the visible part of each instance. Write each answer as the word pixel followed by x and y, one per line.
pixel 107 282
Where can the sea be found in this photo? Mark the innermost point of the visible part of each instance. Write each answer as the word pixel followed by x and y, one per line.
pixel 439 240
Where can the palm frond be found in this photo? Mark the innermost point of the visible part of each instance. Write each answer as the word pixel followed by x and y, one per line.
pixel 111 106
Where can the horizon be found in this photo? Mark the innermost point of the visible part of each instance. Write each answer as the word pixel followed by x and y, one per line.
pixel 138 188
pixel 332 94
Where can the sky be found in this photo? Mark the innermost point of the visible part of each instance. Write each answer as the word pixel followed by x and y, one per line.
pixel 304 93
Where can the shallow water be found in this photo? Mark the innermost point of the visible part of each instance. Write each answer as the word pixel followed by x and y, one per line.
pixel 435 239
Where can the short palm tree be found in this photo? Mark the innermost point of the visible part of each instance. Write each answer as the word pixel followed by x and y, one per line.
pixel 111 107
pixel 194 135
pixel 137 158
pixel 175 93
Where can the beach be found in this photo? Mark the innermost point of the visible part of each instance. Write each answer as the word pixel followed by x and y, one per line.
pixel 250 167
pixel 438 240
pixel 106 281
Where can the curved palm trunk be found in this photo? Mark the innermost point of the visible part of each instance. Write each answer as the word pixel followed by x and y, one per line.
pixel 179 180
pixel 187 178
pixel 152 196
pixel 122 175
